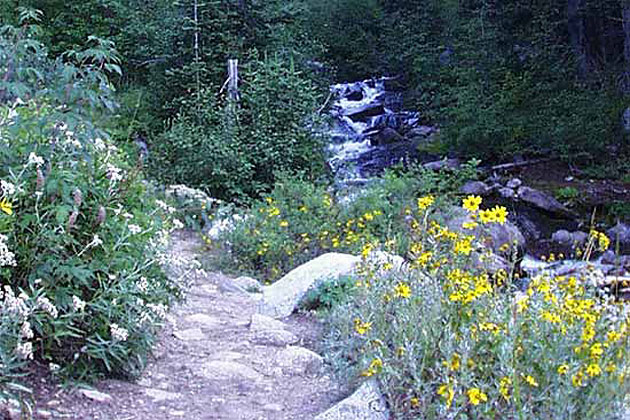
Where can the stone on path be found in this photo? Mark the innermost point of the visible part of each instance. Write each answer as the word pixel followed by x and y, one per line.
pixel 217 370
pixel 241 285
pixel 299 361
pixel 203 320
pixel 248 284
pixel 278 338
pixel 191 334
pixel 367 403
pixel 159 395
pixel 280 299
pixel 95 395
pixel 262 323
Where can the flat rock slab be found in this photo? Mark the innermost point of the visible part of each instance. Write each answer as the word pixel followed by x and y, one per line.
pixel 191 334
pixel 282 298
pixel 367 403
pixel 159 395
pixel 204 320
pixel 277 338
pixel 218 370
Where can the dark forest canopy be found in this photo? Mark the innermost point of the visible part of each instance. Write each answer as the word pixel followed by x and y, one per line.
pixel 501 77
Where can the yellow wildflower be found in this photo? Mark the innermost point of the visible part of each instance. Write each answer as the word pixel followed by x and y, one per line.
pixel 284 223
pixel 402 290
pixel 597 350
pixel 361 327
pixel 476 396
pixel 500 214
pixel 472 203
pixel 447 392
pixel 486 216
pixel 470 225
pixel 415 402
pixel 463 247
pixel 563 369
pixel 374 368
pixel 425 202
pixel 578 379
pixel 424 258
pixel 6 207
pixel 504 387
pixel 530 380
pixel 594 370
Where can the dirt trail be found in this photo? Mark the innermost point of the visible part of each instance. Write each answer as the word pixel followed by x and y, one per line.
pixel 210 364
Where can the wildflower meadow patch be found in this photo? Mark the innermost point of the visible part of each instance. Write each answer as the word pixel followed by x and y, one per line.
pixel 448 339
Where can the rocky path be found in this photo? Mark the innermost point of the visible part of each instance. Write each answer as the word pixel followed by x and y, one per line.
pixel 217 359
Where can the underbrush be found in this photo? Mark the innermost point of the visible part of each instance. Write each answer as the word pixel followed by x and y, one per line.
pixel 82 236
pixel 300 220
pixel 448 339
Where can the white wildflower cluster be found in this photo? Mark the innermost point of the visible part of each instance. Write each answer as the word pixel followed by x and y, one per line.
pixel 54 367
pixel 118 333
pixel 135 229
pixel 7 258
pixel 71 140
pixel 143 284
pixel 114 173
pixel 15 305
pixel 165 207
pixel 46 305
pixel 159 241
pixel 33 159
pixel 78 304
pixel 25 350
pixel 99 144
pixel 159 310
pixel 187 193
pixel 7 188
pixel 26 331
pixel 177 224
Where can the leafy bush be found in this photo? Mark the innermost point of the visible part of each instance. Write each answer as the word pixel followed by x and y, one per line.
pixel 300 220
pixel 234 150
pixel 448 339
pixel 82 238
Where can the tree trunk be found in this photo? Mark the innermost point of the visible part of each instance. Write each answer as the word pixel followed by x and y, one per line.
pixel 577 35
pixel 625 16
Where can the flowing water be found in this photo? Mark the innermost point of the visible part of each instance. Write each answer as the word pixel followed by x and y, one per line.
pixel 362 111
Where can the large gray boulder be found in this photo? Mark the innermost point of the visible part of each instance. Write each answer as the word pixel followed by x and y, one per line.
pixel 475 188
pixel 543 201
pixel 367 403
pixel 280 299
pixel 438 165
pixel 493 235
pixel 620 233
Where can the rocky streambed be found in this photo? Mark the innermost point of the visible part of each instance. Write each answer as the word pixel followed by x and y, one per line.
pixel 372 132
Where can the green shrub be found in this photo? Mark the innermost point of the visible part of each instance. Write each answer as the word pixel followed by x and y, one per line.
pixel 300 220
pixel 233 150
pixel 447 339
pixel 82 237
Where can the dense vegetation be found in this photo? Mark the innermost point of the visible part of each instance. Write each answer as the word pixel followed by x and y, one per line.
pixel 82 234
pixel 105 102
